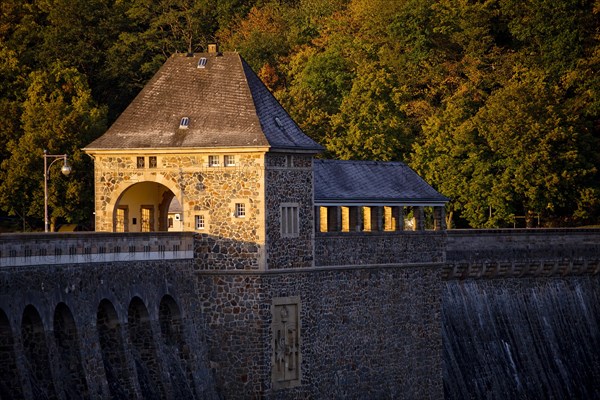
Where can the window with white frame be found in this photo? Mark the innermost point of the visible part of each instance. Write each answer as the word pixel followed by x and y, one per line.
pixel 200 222
pixel 229 161
pixel 213 161
pixel 289 220
pixel 184 123
pixel 240 210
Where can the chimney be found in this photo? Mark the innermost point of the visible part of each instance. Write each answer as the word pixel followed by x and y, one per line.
pixel 213 48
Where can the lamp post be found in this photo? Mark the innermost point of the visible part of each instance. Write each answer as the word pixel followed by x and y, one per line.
pixel 66 170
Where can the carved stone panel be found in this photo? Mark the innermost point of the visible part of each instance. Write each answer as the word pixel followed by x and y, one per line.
pixel 285 328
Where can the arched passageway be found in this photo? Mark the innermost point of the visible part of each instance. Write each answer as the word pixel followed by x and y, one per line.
pixel 10 384
pixel 113 353
pixel 36 355
pixel 143 207
pixel 70 371
pixel 176 349
pixel 144 351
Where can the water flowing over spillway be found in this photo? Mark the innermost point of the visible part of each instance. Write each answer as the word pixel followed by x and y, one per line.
pixel 522 338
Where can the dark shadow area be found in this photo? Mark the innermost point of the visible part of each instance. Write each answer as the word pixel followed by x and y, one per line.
pixel 113 354
pixel 10 384
pixel 36 355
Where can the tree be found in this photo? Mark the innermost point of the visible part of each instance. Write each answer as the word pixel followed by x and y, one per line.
pixel 59 115
pixel 370 124
pixel 522 153
pixel 260 37
pixel 11 93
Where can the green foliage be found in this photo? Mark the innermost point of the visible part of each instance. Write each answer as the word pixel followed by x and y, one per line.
pixel 369 124
pixel 59 115
pixel 260 37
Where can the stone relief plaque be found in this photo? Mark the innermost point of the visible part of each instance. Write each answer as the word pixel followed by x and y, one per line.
pixel 285 330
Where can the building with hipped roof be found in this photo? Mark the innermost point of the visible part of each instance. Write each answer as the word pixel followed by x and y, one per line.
pixel 276 230
pixel 207 132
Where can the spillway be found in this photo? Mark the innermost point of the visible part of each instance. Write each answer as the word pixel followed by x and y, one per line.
pixel 522 338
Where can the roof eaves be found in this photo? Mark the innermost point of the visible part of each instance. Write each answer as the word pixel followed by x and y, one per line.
pixel 383 201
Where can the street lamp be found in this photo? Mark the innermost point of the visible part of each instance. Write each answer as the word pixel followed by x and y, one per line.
pixel 66 170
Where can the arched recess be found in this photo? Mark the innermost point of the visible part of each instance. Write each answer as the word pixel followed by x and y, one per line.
pixel 142 207
pixel 178 354
pixel 10 384
pixel 36 354
pixel 113 353
pixel 67 342
pixel 144 351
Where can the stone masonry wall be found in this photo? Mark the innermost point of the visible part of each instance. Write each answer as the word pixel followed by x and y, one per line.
pixel 365 332
pixel 520 314
pixel 522 338
pixel 289 180
pixel 360 248
pixel 522 252
pixel 107 329
pixel 227 242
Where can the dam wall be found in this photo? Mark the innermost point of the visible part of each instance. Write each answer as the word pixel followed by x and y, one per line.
pixel 148 316
pixel 521 314
pixel 101 316
pixel 391 315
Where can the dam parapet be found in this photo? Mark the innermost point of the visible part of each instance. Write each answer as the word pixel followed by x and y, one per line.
pixel 495 253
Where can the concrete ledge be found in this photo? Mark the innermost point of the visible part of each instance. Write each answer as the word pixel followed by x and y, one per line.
pixel 78 248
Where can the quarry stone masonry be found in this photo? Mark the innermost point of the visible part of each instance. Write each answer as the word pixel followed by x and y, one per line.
pixel 101 319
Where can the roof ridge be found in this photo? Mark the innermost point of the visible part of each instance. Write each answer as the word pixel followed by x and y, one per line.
pixel 362 161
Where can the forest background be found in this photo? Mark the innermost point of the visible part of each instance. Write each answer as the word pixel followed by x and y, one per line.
pixel 496 103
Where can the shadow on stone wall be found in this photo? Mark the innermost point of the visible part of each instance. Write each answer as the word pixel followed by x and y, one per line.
pixel 102 331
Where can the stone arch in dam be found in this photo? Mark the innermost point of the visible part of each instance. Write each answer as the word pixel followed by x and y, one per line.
pixel 8 360
pixel 113 351
pixel 144 350
pixel 102 318
pixel 37 357
pixel 176 348
pixel 68 345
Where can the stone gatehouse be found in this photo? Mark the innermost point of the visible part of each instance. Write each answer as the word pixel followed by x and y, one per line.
pixel 206 131
pixel 291 278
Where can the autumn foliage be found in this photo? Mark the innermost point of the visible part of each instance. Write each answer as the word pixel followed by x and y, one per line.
pixel 494 102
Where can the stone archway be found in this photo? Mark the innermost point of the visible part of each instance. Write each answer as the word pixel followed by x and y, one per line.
pixel 144 350
pixel 142 207
pixel 68 345
pixel 10 384
pixel 113 352
pixel 178 357
pixel 37 354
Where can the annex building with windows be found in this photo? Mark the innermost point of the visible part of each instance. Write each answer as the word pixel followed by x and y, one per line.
pixel 207 134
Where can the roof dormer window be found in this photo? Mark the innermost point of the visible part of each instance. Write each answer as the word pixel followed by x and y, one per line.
pixel 184 123
pixel 278 122
pixel 202 62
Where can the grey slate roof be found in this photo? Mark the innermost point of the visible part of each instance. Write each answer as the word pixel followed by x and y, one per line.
pixel 362 182
pixel 226 103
